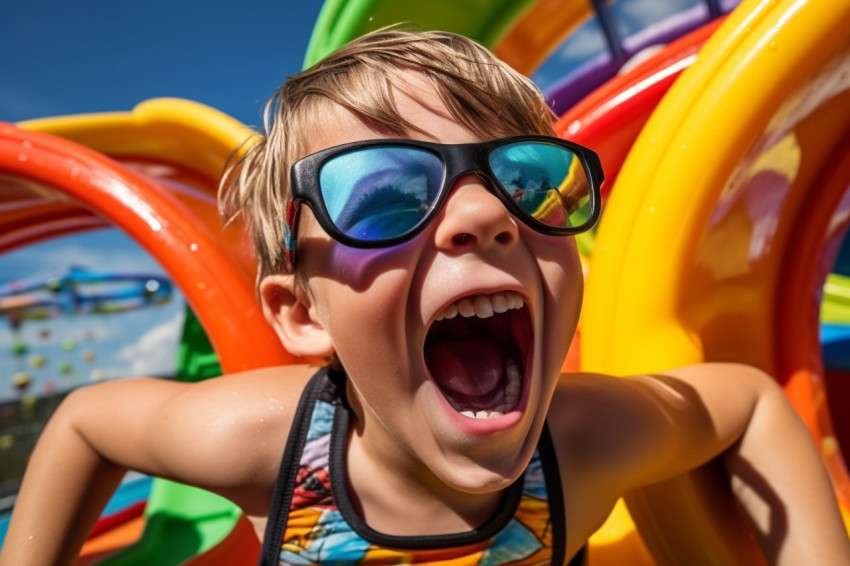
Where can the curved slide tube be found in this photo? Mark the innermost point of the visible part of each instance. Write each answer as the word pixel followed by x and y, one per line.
pixel 574 86
pixel 722 177
pixel 340 21
pixel 611 117
pixel 538 31
pixel 153 173
pixel 158 187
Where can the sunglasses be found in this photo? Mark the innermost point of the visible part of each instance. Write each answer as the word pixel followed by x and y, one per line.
pixel 379 193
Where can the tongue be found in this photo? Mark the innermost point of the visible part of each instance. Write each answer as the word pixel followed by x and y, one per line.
pixel 466 370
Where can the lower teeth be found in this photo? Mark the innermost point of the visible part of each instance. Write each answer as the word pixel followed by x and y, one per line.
pixel 481 414
pixel 513 385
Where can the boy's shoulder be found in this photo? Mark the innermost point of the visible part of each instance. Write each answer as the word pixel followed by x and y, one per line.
pixel 288 380
pixel 260 402
pixel 600 424
pixel 239 424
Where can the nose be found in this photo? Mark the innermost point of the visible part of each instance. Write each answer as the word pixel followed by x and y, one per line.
pixel 473 216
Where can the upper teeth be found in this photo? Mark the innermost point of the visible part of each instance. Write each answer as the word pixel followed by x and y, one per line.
pixel 483 306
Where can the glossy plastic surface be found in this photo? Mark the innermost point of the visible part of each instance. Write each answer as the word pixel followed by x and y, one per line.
pixel 538 31
pixel 152 173
pixel 154 176
pixel 716 180
pixel 610 118
pixel 340 21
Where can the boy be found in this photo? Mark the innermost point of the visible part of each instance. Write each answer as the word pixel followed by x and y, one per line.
pixel 412 220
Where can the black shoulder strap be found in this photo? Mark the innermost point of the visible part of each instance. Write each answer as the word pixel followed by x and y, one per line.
pixel 552 473
pixel 282 496
pixel 580 559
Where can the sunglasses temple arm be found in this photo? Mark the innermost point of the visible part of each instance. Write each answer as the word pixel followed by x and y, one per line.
pixel 289 231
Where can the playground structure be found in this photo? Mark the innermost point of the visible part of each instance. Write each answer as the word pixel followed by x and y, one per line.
pixel 66 293
pixel 728 207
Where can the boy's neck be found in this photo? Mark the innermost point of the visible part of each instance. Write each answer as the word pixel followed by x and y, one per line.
pixel 410 501
pixel 397 495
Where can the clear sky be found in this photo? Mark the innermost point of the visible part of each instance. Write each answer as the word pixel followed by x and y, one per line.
pixel 98 55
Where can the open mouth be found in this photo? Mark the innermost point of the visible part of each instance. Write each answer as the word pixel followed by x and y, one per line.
pixel 476 353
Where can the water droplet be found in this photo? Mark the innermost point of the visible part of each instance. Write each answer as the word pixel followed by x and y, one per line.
pixel 193 247
pixel 22 157
pixel 829 444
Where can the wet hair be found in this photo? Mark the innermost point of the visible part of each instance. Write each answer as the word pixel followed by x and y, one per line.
pixel 481 92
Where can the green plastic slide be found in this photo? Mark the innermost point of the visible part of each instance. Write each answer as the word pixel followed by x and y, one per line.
pixel 340 21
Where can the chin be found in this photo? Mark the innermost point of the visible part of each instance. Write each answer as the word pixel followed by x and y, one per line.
pixel 480 478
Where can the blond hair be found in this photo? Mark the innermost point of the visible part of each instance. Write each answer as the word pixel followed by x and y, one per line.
pixel 482 93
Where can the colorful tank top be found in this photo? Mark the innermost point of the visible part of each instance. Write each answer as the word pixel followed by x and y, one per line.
pixel 313 521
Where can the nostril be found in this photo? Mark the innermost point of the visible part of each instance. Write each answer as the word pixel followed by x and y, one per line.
pixel 464 238
pixel 461 239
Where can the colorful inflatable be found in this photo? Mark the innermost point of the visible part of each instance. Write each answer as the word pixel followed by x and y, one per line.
pixel 719 233
pixel 730 201
pixel 152 173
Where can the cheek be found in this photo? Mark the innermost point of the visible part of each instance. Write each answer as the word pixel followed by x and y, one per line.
pixel 360 269
pixel 321 257
pixel 365 299
pixel 559 264
pixel 368 331
pixel 363 294
pixel 563 287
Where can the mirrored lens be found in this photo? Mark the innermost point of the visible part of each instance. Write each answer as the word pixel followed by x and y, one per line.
pixel 377 193
pixel 547 181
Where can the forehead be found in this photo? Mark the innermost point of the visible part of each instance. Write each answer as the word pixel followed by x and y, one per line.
pixel 416 101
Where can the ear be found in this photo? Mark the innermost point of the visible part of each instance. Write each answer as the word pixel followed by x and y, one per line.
pixel 293 315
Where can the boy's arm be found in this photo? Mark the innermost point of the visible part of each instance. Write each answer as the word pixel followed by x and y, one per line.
pixel 225 435
pixel 656 427
pixel 774 467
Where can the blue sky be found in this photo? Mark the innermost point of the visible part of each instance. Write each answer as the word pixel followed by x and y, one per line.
pixel 100 55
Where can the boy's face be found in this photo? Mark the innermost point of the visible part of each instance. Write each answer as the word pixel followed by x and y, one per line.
pixel 414 381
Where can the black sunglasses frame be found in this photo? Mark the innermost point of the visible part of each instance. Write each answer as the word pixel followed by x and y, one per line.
pixel 457 160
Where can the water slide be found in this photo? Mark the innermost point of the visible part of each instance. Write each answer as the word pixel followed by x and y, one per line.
pixel 577 83
pixel 340 21
pixel 740 177
pixel 152 173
